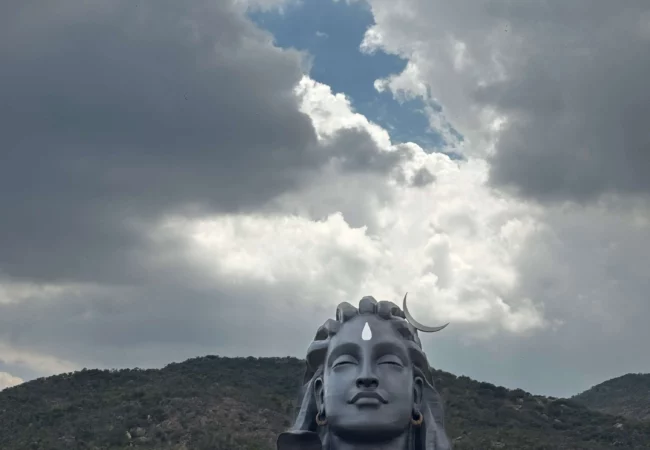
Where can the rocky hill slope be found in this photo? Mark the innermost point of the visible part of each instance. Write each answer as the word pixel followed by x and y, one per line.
pixel 243 403
pixel 627 396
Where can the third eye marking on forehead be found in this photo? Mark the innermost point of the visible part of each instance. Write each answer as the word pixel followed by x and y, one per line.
pixel 366 334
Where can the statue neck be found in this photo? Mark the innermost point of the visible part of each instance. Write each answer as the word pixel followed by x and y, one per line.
pixel 399 443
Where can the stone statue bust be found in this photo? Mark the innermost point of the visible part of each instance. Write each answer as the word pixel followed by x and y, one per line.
pixel 368 385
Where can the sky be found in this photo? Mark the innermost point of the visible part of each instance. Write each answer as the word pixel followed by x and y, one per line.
pixel 215 177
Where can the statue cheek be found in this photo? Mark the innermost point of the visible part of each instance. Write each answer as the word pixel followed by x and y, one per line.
pixel 399 377
pixel 335 392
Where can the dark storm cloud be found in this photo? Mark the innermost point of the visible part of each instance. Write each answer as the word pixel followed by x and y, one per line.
pixel 153 325
pixel 577 95
pixel 423 178
pixel 355 150
pixel 130 109
pixel 116 113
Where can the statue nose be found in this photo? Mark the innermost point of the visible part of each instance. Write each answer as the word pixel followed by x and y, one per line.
pixel 367 382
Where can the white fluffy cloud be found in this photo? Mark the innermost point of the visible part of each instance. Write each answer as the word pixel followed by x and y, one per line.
pixel 8 380
pixel 453 243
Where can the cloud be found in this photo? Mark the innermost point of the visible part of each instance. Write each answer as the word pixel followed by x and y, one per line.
pixel 423 177
pixel 213 279
pixel 41 362
pixel 144 228
pixel 119 118
pixel 587 267
pixel 116 115
pixel 555 92
pixel 265 5
pixel 551 97
pixel 8 380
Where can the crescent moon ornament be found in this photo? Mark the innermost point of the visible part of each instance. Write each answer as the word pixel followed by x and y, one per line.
pixel 417 325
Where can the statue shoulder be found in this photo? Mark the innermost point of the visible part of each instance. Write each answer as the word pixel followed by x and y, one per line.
pixel 299 440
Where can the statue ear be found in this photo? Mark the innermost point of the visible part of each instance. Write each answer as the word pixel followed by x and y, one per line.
pixel 319 393
pixel 418 391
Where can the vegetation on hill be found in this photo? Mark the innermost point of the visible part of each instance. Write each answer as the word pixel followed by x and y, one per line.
pixel 243 403
pixel 627 396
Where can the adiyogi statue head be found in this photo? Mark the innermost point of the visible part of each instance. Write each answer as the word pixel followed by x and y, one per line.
pixel 368 384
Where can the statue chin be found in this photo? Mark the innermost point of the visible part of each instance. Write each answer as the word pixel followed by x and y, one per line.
pixel 361 428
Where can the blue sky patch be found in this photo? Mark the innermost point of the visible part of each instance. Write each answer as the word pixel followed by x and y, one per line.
pixel 331 33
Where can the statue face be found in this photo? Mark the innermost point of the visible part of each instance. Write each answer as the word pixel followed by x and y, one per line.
pixel 368 386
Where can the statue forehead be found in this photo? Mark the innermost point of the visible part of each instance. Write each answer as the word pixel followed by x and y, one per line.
pixel 366 327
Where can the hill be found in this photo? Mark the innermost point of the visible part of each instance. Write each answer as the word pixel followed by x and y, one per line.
pixel 243 403
pixel 627 396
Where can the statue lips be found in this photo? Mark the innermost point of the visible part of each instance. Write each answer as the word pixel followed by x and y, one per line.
pixel 369 398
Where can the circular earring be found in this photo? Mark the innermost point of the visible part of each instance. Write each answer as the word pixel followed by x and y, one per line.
pixel 417 418
pixel 321 420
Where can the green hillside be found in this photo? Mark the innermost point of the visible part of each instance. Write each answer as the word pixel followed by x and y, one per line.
pixel 243 403
pixel 627 396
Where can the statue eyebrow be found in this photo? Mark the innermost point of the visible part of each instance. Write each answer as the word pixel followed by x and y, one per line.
pixel 346 348
pixel 384 347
